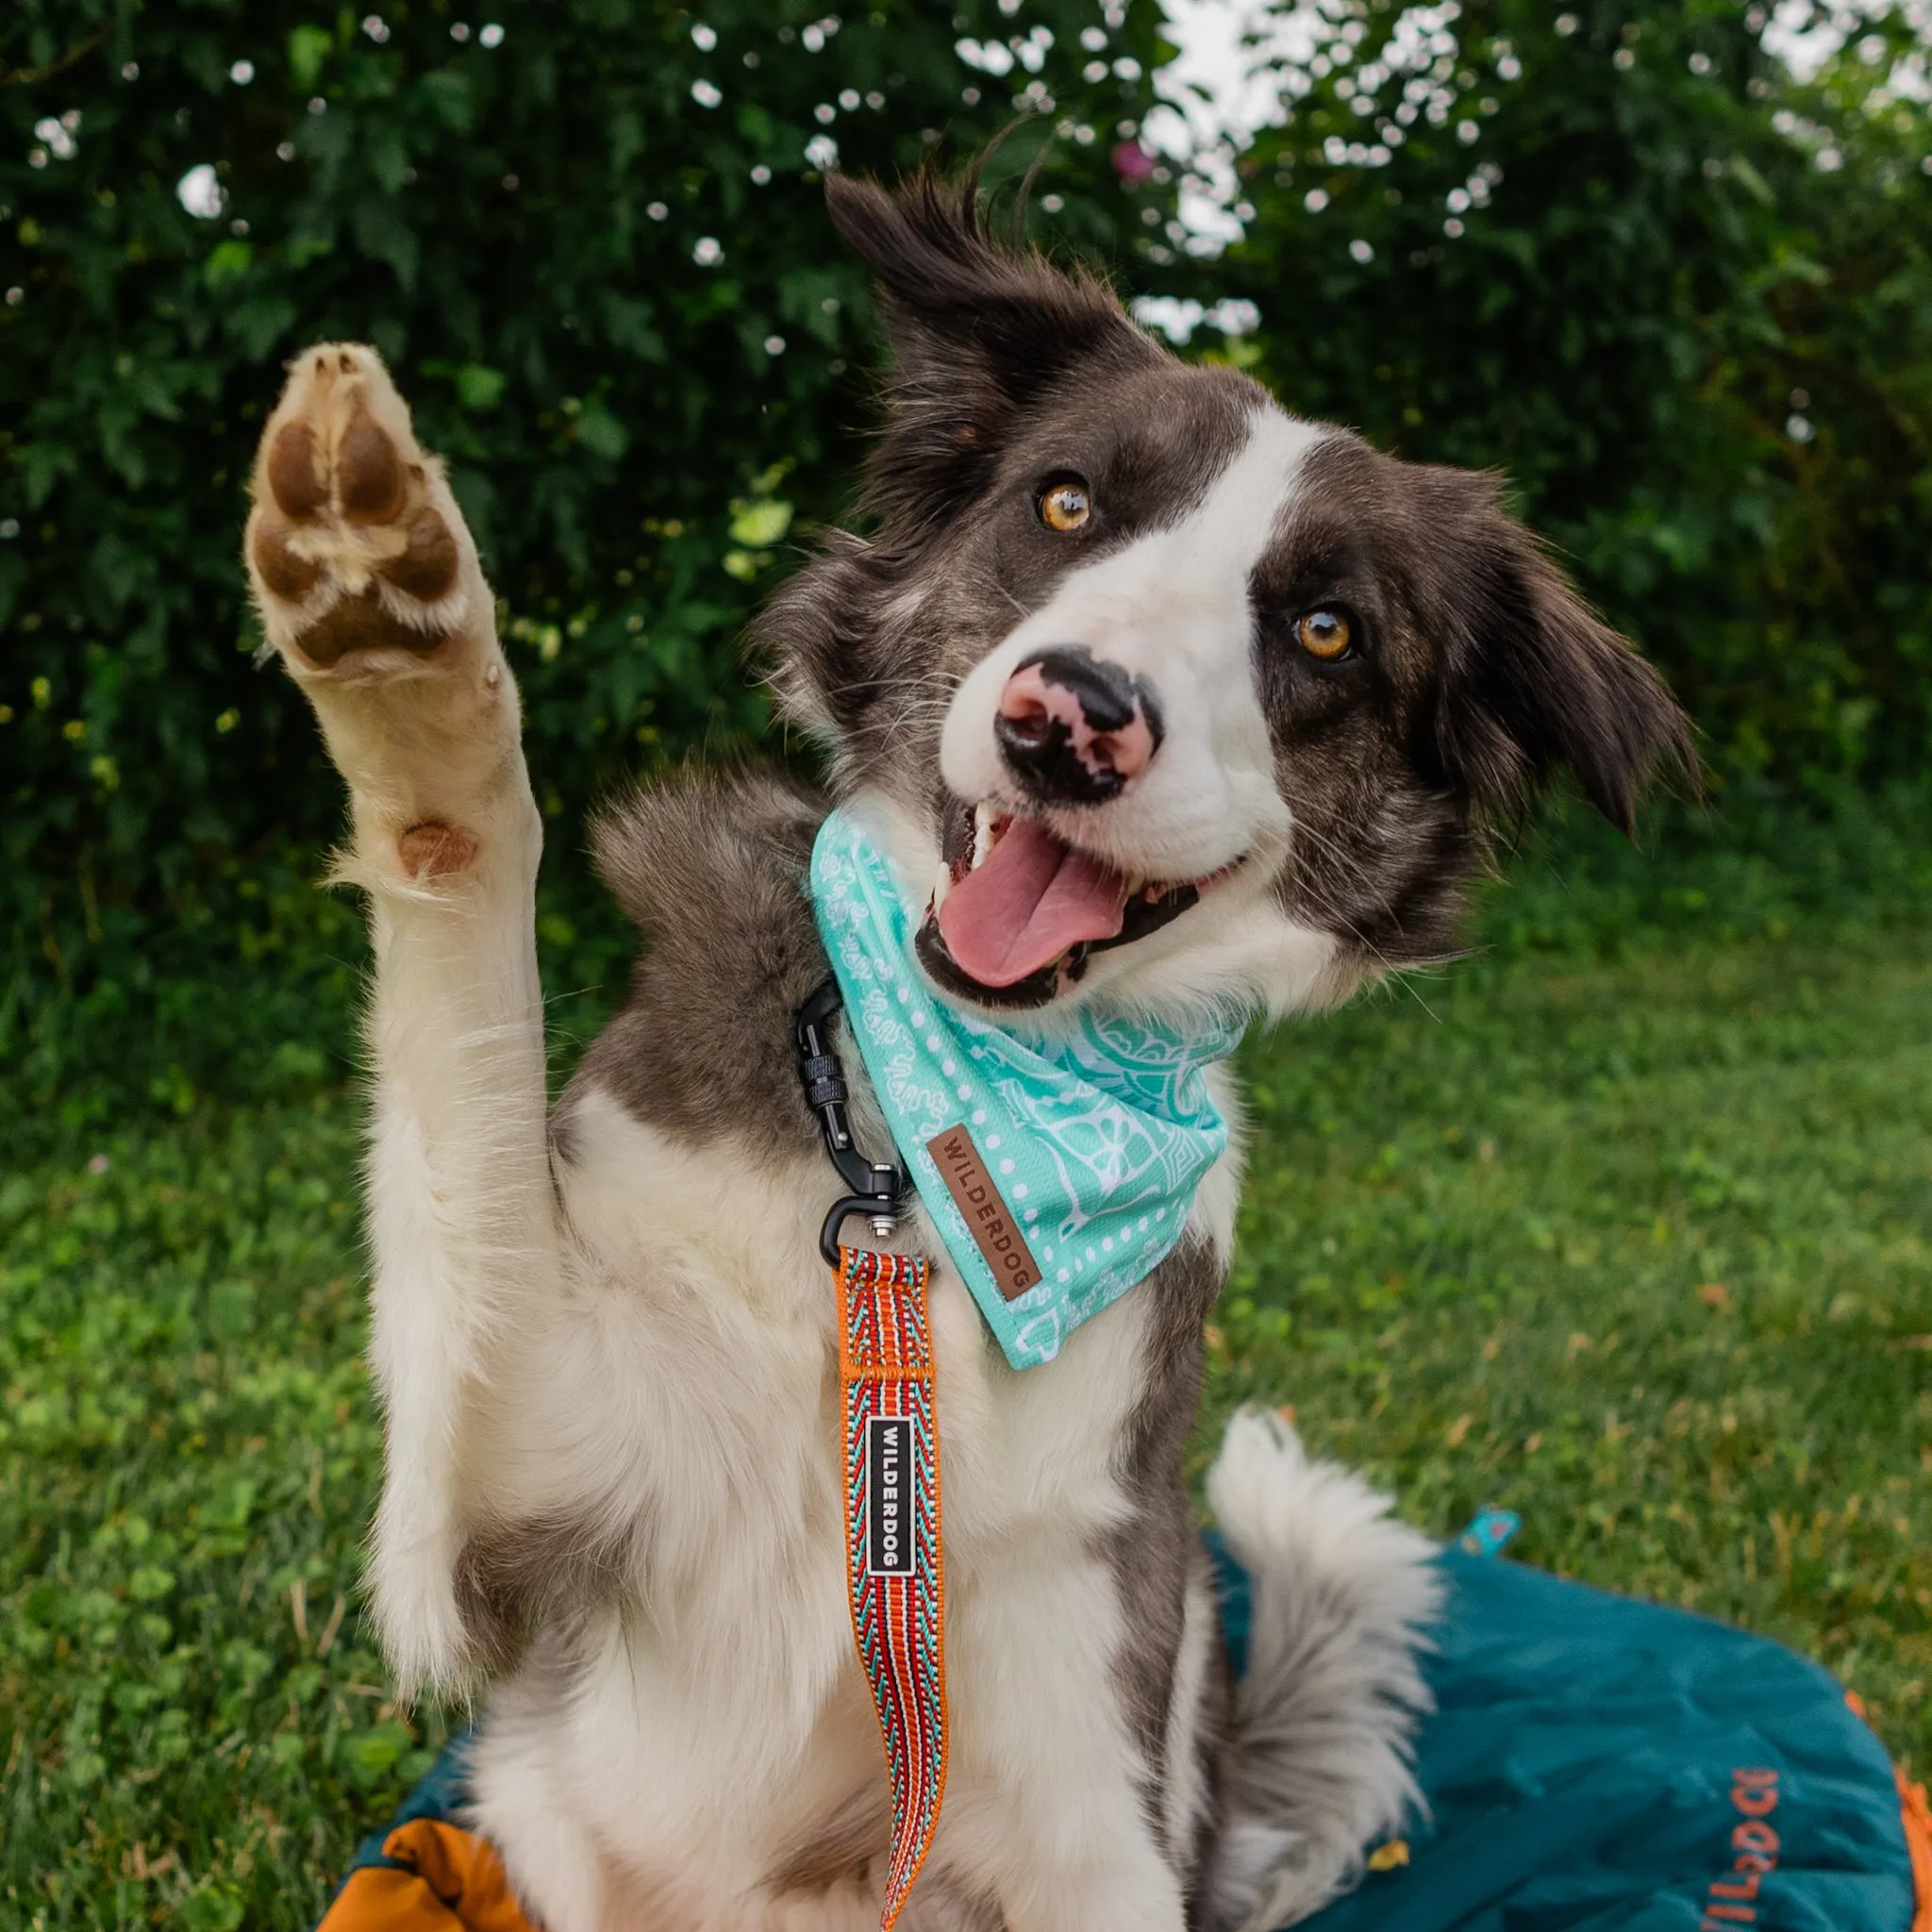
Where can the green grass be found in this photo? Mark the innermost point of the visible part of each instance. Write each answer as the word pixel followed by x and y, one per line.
pixel 1624 1225
pixel 1643 1251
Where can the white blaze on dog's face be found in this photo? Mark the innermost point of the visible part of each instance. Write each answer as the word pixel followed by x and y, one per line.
pixel 1170 614
pixel 1122 718
pixel 1174 698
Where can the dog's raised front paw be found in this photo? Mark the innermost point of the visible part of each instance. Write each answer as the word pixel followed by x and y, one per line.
pixel 369 589
pixel 355 544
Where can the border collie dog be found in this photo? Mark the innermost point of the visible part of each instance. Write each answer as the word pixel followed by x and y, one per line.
pixel 1212 706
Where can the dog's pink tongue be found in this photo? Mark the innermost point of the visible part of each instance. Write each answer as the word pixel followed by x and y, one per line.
pixel 1032 898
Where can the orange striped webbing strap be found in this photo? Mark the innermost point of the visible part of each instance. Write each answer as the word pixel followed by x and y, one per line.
pixel 892 1558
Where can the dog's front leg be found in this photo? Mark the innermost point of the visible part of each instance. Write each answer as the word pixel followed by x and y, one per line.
pixel 1054 1813
pixel 369 589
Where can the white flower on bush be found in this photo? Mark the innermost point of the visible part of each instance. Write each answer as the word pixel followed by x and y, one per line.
pixel 1178 317
pixel 58 135
pixel 200 193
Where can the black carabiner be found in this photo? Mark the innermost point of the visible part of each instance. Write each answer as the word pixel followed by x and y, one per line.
pixel 877 1192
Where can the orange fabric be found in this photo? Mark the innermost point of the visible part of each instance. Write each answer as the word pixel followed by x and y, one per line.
pixel 1918 1819
pixel 1915 1814
pixel 454 1883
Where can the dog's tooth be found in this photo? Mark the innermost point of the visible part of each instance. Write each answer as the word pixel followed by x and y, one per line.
pixel 983 817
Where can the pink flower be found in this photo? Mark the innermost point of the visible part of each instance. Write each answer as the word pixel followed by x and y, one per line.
pixel 1132 162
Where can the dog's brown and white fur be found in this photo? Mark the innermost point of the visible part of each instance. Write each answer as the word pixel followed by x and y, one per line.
pixel 604 1337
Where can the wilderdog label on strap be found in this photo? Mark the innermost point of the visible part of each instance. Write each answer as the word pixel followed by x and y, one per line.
pixel 988 1218
pixel 888 1543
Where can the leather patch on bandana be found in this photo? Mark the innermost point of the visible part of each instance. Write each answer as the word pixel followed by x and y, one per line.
pixel 988 1218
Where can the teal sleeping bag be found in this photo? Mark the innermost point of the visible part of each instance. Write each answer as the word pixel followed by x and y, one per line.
pixel 1593 1764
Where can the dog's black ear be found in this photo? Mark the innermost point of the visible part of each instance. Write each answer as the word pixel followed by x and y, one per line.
pixel 978 333
pixel 1534 681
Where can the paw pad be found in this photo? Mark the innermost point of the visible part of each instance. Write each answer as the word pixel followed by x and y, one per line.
pixel 369 473
pixel 287 575
pixel 359 624
pixel 428 567
pixel 294 474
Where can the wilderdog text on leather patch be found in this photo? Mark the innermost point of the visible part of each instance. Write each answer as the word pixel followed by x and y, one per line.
pixel 988 1218
pixel 888 1479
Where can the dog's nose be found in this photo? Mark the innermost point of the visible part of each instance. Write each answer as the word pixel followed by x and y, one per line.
pixel 1075 728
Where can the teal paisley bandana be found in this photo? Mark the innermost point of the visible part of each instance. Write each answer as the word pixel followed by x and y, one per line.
pixel 1059 1169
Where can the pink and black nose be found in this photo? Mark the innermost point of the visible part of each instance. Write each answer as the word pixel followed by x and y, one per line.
pixel 1074 730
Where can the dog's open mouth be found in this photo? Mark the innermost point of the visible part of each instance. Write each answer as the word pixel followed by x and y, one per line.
pixel 1020 910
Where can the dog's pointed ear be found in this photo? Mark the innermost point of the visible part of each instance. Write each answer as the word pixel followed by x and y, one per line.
pixel 1534 681
pixel 978 332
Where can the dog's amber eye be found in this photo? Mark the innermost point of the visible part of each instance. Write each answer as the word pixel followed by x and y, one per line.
pixel 1065 506
pixel 1324 633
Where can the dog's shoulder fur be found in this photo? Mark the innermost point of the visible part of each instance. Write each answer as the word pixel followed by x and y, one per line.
pixel 711 866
